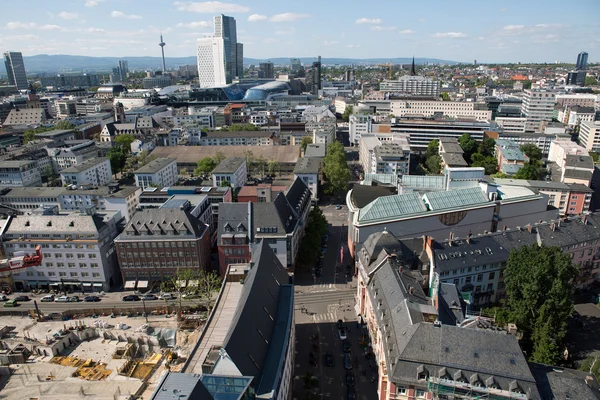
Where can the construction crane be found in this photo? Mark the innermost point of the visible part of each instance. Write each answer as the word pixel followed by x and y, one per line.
pixel 389 65
pixel 22 260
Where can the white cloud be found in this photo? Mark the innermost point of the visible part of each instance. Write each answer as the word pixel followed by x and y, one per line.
pixel 352 46
pixel 330 43
pixel 269 40
pixel 285 31
pixel 92 3
pixel 256 17
pixel 287 17
pixel 95 30
pixel 514 30
pixel 31 25
pixel 68 15
pixel 450 35
pixel 406 32
pixel 197 24
pixel 383 28
pixel 211 7
pixel 368 21
pixel 119 14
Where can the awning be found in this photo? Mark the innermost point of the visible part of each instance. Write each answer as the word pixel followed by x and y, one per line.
pixel 128 284
pixel 97 285
pixel 87 284
pixel 142 284
pixel 55 284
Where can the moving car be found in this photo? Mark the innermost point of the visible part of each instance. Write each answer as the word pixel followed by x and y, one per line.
pixel 340 324
pixel 346 346
pixel 342 333
pixel 47 299
pixel 11 303
pixel 147 297
pixel 3 297
pixel 131 297
pixel 22 298
pixel 62 299
pixel 347 361
pixel 74 299
pixel 349 378
pixel 91 298
pixel 167 296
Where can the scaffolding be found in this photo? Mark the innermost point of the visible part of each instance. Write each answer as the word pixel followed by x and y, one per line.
pixel 451 391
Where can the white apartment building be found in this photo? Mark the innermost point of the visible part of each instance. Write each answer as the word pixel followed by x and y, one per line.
pixel 20 173
pixel 589 135
pixel 309 169
pixel 232 170
pixel 359 124
pixel 561 148
pixel 124 200
pixel 580 99
pixel 453 109
pixel 161 172
pixel 416 85
pixel 95 171
pixel 537 107
pixel 68 155
pixel 78 250
pixel 240 138
pixel 377 157
pixel 199 119
pixel 323 136
pixel 211 62
pixel 575 115
pixel 511 125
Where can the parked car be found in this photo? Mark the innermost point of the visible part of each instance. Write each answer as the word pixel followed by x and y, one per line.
pixel 147 297
pixel 11 303
pixel 92 299
pixel 22 298
pixel 131 297
pixel 49 298
pixel 347 361
pixel 189 295
pixel 74 299
pixel 346 346
pixel 342 334
pixel 350 378
pixel 167 296
pixel 329 360
pixel 338 207
pixel 3 297
pixel 350 394
pixel 62 299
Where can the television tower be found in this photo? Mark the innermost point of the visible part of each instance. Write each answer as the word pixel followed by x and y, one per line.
pixel 162 49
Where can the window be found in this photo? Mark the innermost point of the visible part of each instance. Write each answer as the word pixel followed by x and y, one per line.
pixel 94 265
pixel 85 274
pixel 62 274
pixel 95 274
pixel 71 265
pixel 401 390
pixel 420 393
pixel 73 274
pixel 60 265
pixel 92 255
pixel 479 277
pixel 51 273
pixel 492 275
pixel 80 255
pixel 58 255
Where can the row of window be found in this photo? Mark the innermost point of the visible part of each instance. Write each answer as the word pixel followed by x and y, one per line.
pixel 153 245
pixel 161 254
pixel 70 265
pixel 71 274
pixel 470 269
pixel 156 264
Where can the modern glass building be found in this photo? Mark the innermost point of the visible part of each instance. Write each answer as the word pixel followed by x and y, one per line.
pixel 15 69
pixel 267 90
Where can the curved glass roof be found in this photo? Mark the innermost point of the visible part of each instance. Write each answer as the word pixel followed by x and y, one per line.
pixel 264 91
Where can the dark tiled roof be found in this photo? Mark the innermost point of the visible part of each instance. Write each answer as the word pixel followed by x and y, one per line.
pixel 579 161
pixel 236 215
pixel 307 165
pixel 578 174
pixel 155 166
pixel 563 383
pixel 229 165
pixel 247 343
pixel 163 224
pixel 480 250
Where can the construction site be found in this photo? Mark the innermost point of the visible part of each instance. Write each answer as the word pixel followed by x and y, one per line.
pixel 116 358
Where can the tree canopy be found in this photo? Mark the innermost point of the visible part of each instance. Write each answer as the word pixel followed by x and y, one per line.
pixel 193 283
pixel 241 127
pixel 530 171
pixel 306 140
pixel 531 151
pixel 205 166
pixel 434 164
pixel 432 148
pixel 335 169
pixel 347 113
pixel 125 141
pixel 316 226
pixel 489 163
pixel 468 145
pixel 539 288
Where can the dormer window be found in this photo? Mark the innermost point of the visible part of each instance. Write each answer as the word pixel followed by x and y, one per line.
pixel 422 373
pixel 491 383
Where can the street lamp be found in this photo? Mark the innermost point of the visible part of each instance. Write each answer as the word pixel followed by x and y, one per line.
pixel 144 304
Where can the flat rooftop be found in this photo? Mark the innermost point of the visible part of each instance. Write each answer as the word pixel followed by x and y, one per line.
pixel 229 165
pixel 191 154
pixel 155 165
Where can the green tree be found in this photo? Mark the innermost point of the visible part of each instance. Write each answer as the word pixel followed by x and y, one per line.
pixel 260 163
pixel 225 184
pixel 219 156
pixel 590 81
pixel 595 156
pixel 530 171
pixel 487 147
pixel 335 169
pixel 65 125
pixel 205 166
pixel 241 127
pixel 306 140
pixel 468 145
pixel 489 163
pixel 273 167
pixel 192 283
pixel 434 165
pixel 117 159
pixel 500 175
pixel 531 151
pixel 591 365
pixel 445 96
pixel 347 113
pixel 316 226
pixel 432 148
pixel 125 141
pixel 539 288
pixel 28 136
pixel 144 158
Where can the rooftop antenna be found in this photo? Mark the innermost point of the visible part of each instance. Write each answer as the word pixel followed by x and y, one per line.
pixel 162 49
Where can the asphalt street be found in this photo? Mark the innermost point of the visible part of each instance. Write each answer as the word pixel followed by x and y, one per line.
pixel 319 305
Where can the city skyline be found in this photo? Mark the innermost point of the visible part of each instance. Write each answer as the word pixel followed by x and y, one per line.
pixel 509 32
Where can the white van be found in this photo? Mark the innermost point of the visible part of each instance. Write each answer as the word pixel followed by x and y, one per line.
pixel 167 296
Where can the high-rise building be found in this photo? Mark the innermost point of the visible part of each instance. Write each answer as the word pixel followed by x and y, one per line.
pixel 225 27
pixel 582 59
pixel 211 62
pixel 240 60
pixel 265 70
pixel 123 69
pixel 315 78
pixel 15 69
pixel 537 107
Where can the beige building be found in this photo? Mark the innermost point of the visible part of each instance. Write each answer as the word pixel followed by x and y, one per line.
pixel 453 109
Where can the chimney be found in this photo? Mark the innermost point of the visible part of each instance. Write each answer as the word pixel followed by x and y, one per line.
pixel 469 238
pixel 552 226
pixel 504 228
pixel 424 242
pixel 529 228
pixel 450 239
pixel 584 220
pixel 411 290
pixel 401 270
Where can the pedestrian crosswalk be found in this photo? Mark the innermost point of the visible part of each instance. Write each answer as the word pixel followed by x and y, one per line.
pixel 325 317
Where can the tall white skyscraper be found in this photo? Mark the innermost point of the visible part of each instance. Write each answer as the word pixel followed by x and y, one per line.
pixel 225 27
pixel 211 62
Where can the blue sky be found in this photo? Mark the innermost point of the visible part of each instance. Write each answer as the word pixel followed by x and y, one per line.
pixel 461 30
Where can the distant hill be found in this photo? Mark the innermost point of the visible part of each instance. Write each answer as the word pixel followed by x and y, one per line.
pixel 65 63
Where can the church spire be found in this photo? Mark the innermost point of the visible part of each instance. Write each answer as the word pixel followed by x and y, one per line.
pixel 413 71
